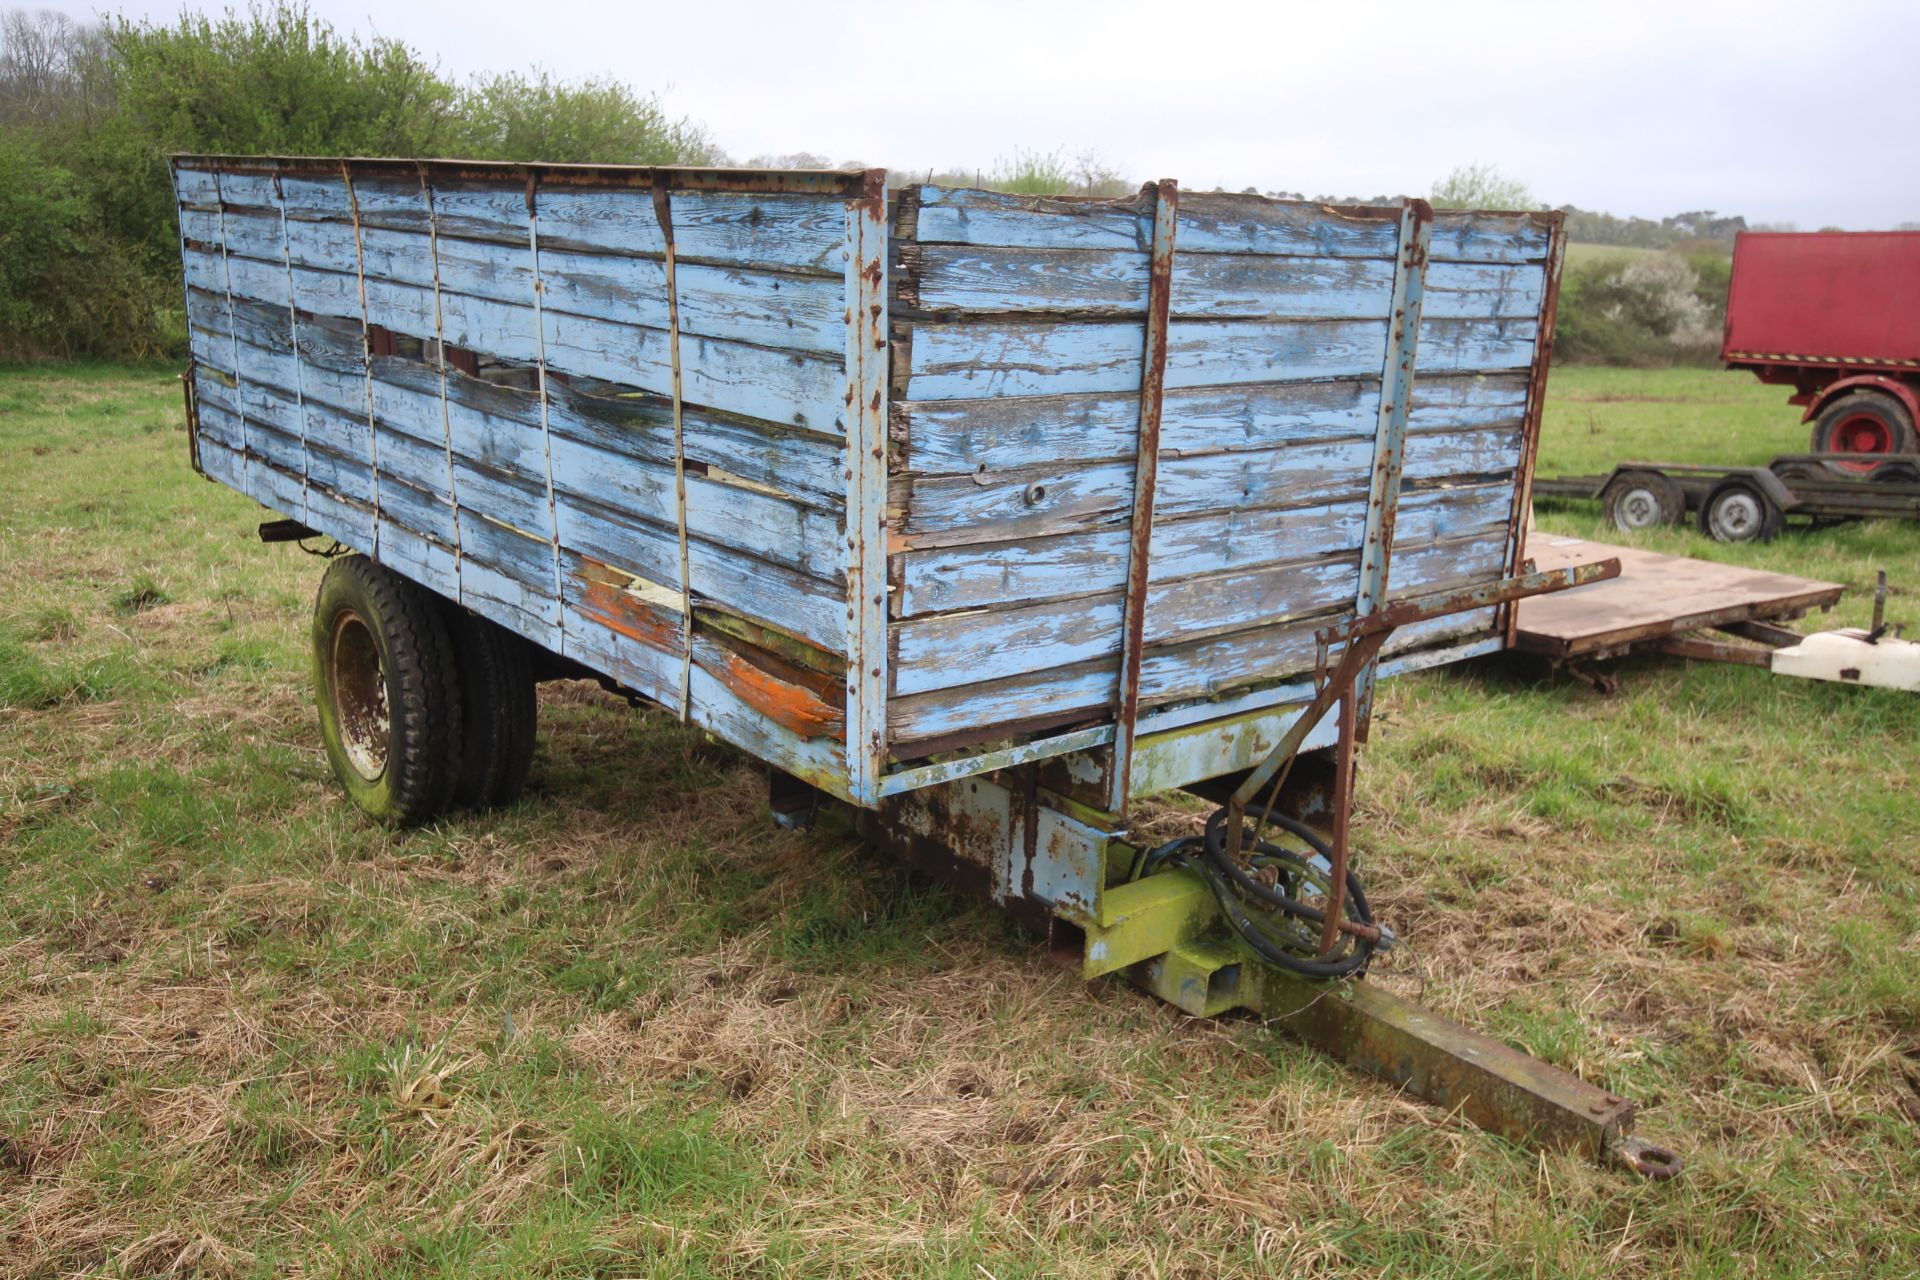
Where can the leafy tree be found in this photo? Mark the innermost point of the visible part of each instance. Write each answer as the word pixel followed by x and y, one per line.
pixel 516 117
pixel 276 81
pixel 1481 186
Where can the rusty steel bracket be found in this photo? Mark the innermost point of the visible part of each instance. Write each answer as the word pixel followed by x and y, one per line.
pixel 1360 640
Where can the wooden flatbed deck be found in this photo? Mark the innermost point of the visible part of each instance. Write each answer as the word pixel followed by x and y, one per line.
pixel 1654 597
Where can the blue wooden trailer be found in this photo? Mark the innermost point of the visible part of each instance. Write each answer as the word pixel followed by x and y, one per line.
pixel 983 514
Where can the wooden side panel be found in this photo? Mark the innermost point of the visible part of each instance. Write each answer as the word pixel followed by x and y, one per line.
pixel 1017 367
pixel 530 473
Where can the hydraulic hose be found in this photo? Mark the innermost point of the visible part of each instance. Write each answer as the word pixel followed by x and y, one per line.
pixel 1261 894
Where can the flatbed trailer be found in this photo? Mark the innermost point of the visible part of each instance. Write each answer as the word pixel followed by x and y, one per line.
pixel 1707 612
pixel 1750 503
pixel 976 517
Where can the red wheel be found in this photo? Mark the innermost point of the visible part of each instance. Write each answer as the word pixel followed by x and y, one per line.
pixel 1863 422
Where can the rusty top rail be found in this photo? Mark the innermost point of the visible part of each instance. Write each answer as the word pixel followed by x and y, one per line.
pixel 842 183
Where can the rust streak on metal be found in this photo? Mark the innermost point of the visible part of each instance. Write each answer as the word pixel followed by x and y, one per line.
pixel 1536 398
pixel 193 419
pixel 1704 650
pixel 1146 459
pixel 1342 820
pixel 663 213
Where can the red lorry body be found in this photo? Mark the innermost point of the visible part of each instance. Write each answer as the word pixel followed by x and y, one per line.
pixel 1836 316
pixel 1846 299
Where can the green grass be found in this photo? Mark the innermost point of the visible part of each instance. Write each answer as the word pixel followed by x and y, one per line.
pixel 626 1028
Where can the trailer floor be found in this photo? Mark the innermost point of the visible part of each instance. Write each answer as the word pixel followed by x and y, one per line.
pixel 1655 596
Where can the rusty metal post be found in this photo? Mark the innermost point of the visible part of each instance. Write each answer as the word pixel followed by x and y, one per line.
pixel 1342 821
pixel 1530 429
pixel 866 427
pixel 1146 464
pixel 1390 436
pixel 663 214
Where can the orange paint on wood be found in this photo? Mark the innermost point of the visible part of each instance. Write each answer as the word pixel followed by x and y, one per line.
pixel 776 689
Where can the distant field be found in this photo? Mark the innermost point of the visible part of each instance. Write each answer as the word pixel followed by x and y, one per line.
pixel 628 1029
pixel 1598 416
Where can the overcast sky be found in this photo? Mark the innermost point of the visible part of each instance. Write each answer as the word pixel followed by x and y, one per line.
pixel 1785 112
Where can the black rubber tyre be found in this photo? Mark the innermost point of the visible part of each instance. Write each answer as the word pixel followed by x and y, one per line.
pixel 500 710
pixel 1738 512
pixel 1636 500
pixel 388 691
pixel 1864 422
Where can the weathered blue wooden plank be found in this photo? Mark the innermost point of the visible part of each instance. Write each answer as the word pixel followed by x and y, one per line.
pixel 1483 291
pixel 1010 358
pixel 1462 235
pixel 1209 223
pixel 196 185
pixel 993 574
pixel 960 436
pixel 220 424
pixel 784 310
pixel 497 593
pixel 518 502
pixel 1001 506
pixel 347 522
pixel 1456 456
pixel 267 443
pixel 1429 639
pixel 1449 401
pixel 220 462
pixel 1465 346
pixel 282 491
pixel 427 561
pixel 349 478
pixel 1008 281
pixel 406 396
pixel 1199 668
pixel 988 281
pixel 955 437
pixel 808 467
pixel 753 588
pixel 948 650
pixel 715 707
pixel 782 387
pixel 241 187
pixel 424 511
pixel 773 231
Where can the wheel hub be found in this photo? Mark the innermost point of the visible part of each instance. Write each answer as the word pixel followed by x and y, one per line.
pixel 1639 509
pixel 1736 517
pixel 358 686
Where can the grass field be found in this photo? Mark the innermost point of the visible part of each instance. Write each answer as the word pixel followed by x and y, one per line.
pixel 626 1028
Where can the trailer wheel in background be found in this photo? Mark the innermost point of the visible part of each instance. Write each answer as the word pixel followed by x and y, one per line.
pixel 1863 422
pixel 500 710
pixel 1642 500
pixel 1737 511
pixel 390 705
